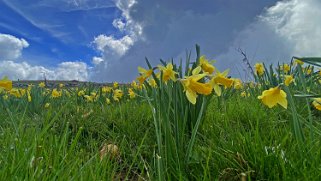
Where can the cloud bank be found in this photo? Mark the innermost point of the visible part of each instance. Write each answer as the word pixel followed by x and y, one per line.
pixel 298 23
pixel 25 71
pixel 11 49
pixel 289 28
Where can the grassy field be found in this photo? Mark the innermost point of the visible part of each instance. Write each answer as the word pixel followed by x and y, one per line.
pixel 238 138
pixel 158 133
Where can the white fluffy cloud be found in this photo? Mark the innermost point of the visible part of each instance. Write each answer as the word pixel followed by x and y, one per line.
pixel 119 24
pixel 97 60
pixel 71 71
pixel 108 45
pixel 25 71
pixel 11 47
pixel 22 70
pixel 298 23
pixel 289 28
pixel 111 46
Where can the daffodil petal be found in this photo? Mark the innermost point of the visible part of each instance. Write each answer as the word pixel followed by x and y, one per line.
pixel 197 70
pixel 283 102
pixel 217 90
pixel 270 101
pixel 191 96
pixel 141 70
pixel 201 88
pixel 197 77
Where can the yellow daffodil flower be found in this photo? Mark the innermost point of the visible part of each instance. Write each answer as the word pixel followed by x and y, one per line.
pixel 106 89
pixel 141 79
pixel 144 74
pixel 192 87
pixel 141 87
pixel 6 84
pixel 309 71
pixel 152 83
pixel 168 72
pixel 81 93
pixel 115 85
pixel 22 92
pixel 158 74
pixel 89 98
pixel 206 66
pixel 41 85
pixel 288 80
pixel 297 61
pixel 134 84
pixel 317 103
pixel 131 93
pixel 259 68
pixel 237 84
pixel 30 87
pixel 285 68
pixel 117 94
pixel 55 93
pixel 274 96
pixel 93 94
pixel 244 94
pixel 15 92
pixel 220 79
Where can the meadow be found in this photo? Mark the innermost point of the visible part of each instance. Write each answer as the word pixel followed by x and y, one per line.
pixel 184 121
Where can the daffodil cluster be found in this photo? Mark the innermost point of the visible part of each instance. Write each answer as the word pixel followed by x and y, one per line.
pixel 202 79
pixel 105 94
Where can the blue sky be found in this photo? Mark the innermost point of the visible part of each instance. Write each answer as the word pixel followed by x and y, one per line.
pixel 103 40
pixel 56 33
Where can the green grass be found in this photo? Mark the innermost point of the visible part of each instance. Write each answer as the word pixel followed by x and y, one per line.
pixel 60 143
pixel 239 139
pixel 162 135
